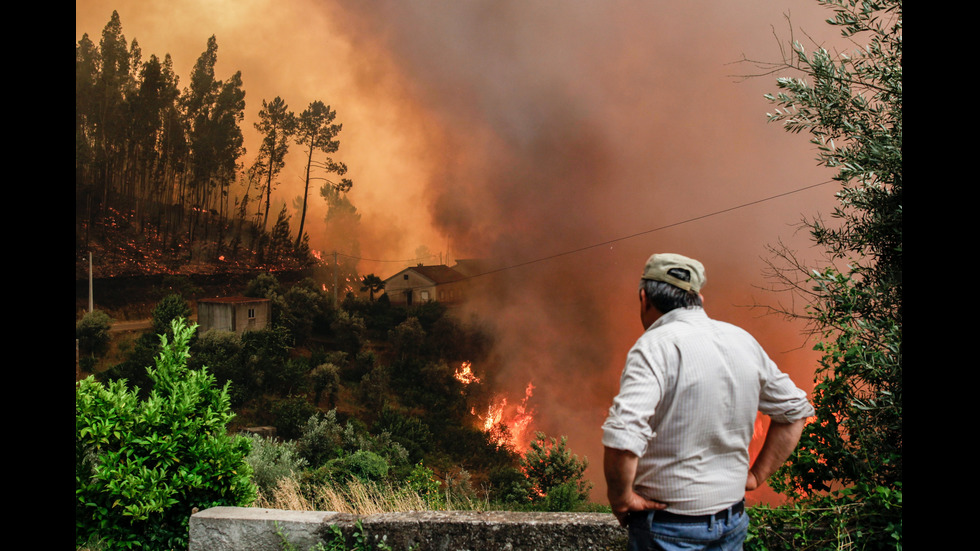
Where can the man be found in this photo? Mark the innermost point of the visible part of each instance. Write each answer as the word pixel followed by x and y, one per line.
pixel 677 436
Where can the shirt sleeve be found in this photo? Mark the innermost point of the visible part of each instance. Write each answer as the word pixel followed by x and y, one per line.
pixel 780 398
pixel 640 390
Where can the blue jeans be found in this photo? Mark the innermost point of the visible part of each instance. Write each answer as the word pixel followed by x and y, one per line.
pixel 647 533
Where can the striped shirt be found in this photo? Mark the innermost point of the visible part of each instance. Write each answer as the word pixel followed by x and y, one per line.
pixel 687 406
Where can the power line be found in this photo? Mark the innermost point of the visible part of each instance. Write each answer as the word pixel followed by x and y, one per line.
pixel 624 238
pixel 660 228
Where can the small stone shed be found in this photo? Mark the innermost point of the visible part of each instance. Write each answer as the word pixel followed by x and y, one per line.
pixel 238 314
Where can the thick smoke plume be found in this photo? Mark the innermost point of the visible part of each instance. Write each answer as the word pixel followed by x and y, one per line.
pixel 563 125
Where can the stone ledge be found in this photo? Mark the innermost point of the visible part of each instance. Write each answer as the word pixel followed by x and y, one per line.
pixel 253 529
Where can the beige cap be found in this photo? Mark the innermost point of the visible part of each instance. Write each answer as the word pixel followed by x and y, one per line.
pixel 659 265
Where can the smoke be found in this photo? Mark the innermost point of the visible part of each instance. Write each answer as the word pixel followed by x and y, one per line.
pixel 515 131
pixel 566 124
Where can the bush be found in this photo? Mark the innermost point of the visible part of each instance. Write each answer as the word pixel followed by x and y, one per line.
pixel 92 332
pixel 550 467
pixel 271 461
pixel 167 310
pixel 142 465
pixel 291 415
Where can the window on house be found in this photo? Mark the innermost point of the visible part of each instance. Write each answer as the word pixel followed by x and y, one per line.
pixel 251 313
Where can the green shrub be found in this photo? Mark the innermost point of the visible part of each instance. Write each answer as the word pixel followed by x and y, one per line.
pixel 142 465
pixel 291 415
pixel 172 307
pixel 271 461
pixel 92 332
pixel 322 439
pixel 550 467
pixel 364 465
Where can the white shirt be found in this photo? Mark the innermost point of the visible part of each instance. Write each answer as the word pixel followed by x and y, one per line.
pixel 687 406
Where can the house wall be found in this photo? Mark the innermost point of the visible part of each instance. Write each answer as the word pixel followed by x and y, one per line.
pixel 423 289
pixel 396 288
pixel 233 316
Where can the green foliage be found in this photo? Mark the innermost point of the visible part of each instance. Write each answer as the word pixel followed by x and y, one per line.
pixel 555 474
pixel 852 106
pixel 858 518
pixel 264 357
pixel 363 465
pixel 423 481
pixel 141 465
pixel 303 307
pixel 349 332
pixel 92 332
pixel 322 439
pixel 271 461
pixel 263 286
pixel 408 339
pixel 132 372
pixel 221 352
pixel 358 540
pixel 166 311
pixel 326 383
pixel 291 415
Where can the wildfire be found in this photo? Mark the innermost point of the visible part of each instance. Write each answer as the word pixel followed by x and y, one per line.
pixel 512 431
pixel 507 426
pixel 465 374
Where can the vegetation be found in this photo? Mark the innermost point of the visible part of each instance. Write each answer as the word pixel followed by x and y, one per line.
pixel 159 180
pixel 369 414
pixel 142 465
pixel 92 333
pixel 846 475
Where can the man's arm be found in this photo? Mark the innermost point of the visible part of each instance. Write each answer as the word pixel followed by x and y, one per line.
pixel 620 469
pixel 781 440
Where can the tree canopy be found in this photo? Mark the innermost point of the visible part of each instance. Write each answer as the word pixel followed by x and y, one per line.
pixel 851 105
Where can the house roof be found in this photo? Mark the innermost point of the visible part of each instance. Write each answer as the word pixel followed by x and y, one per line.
pixel 233 300
pixel 437 274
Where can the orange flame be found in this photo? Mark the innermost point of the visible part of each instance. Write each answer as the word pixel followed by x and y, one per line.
pixel 465 374
pixel 512 432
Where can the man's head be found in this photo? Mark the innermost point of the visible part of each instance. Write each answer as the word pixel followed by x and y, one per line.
pixel 669 281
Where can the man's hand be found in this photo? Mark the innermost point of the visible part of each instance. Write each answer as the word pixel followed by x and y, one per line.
pixel 633 502
pixel 620 470
pixel 751 482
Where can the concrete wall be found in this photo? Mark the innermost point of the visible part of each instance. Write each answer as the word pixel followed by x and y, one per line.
pixel 230 315
pixel 253 529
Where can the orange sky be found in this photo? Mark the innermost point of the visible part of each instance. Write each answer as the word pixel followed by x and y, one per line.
pixel 517 130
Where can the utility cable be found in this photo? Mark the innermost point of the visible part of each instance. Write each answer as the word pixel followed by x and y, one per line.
pixel 618 239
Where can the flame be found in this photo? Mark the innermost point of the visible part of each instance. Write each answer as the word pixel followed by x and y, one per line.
pixel 465 374
pixel 511 432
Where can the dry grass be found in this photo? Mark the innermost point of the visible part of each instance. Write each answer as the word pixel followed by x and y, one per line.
pixel 358 498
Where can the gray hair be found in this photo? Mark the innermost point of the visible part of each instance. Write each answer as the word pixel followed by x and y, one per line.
pixel 665 297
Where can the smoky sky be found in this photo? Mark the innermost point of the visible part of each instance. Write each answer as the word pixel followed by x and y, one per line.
pixel 515 131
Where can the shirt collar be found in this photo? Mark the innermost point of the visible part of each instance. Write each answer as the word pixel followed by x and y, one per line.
pixel 679 314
